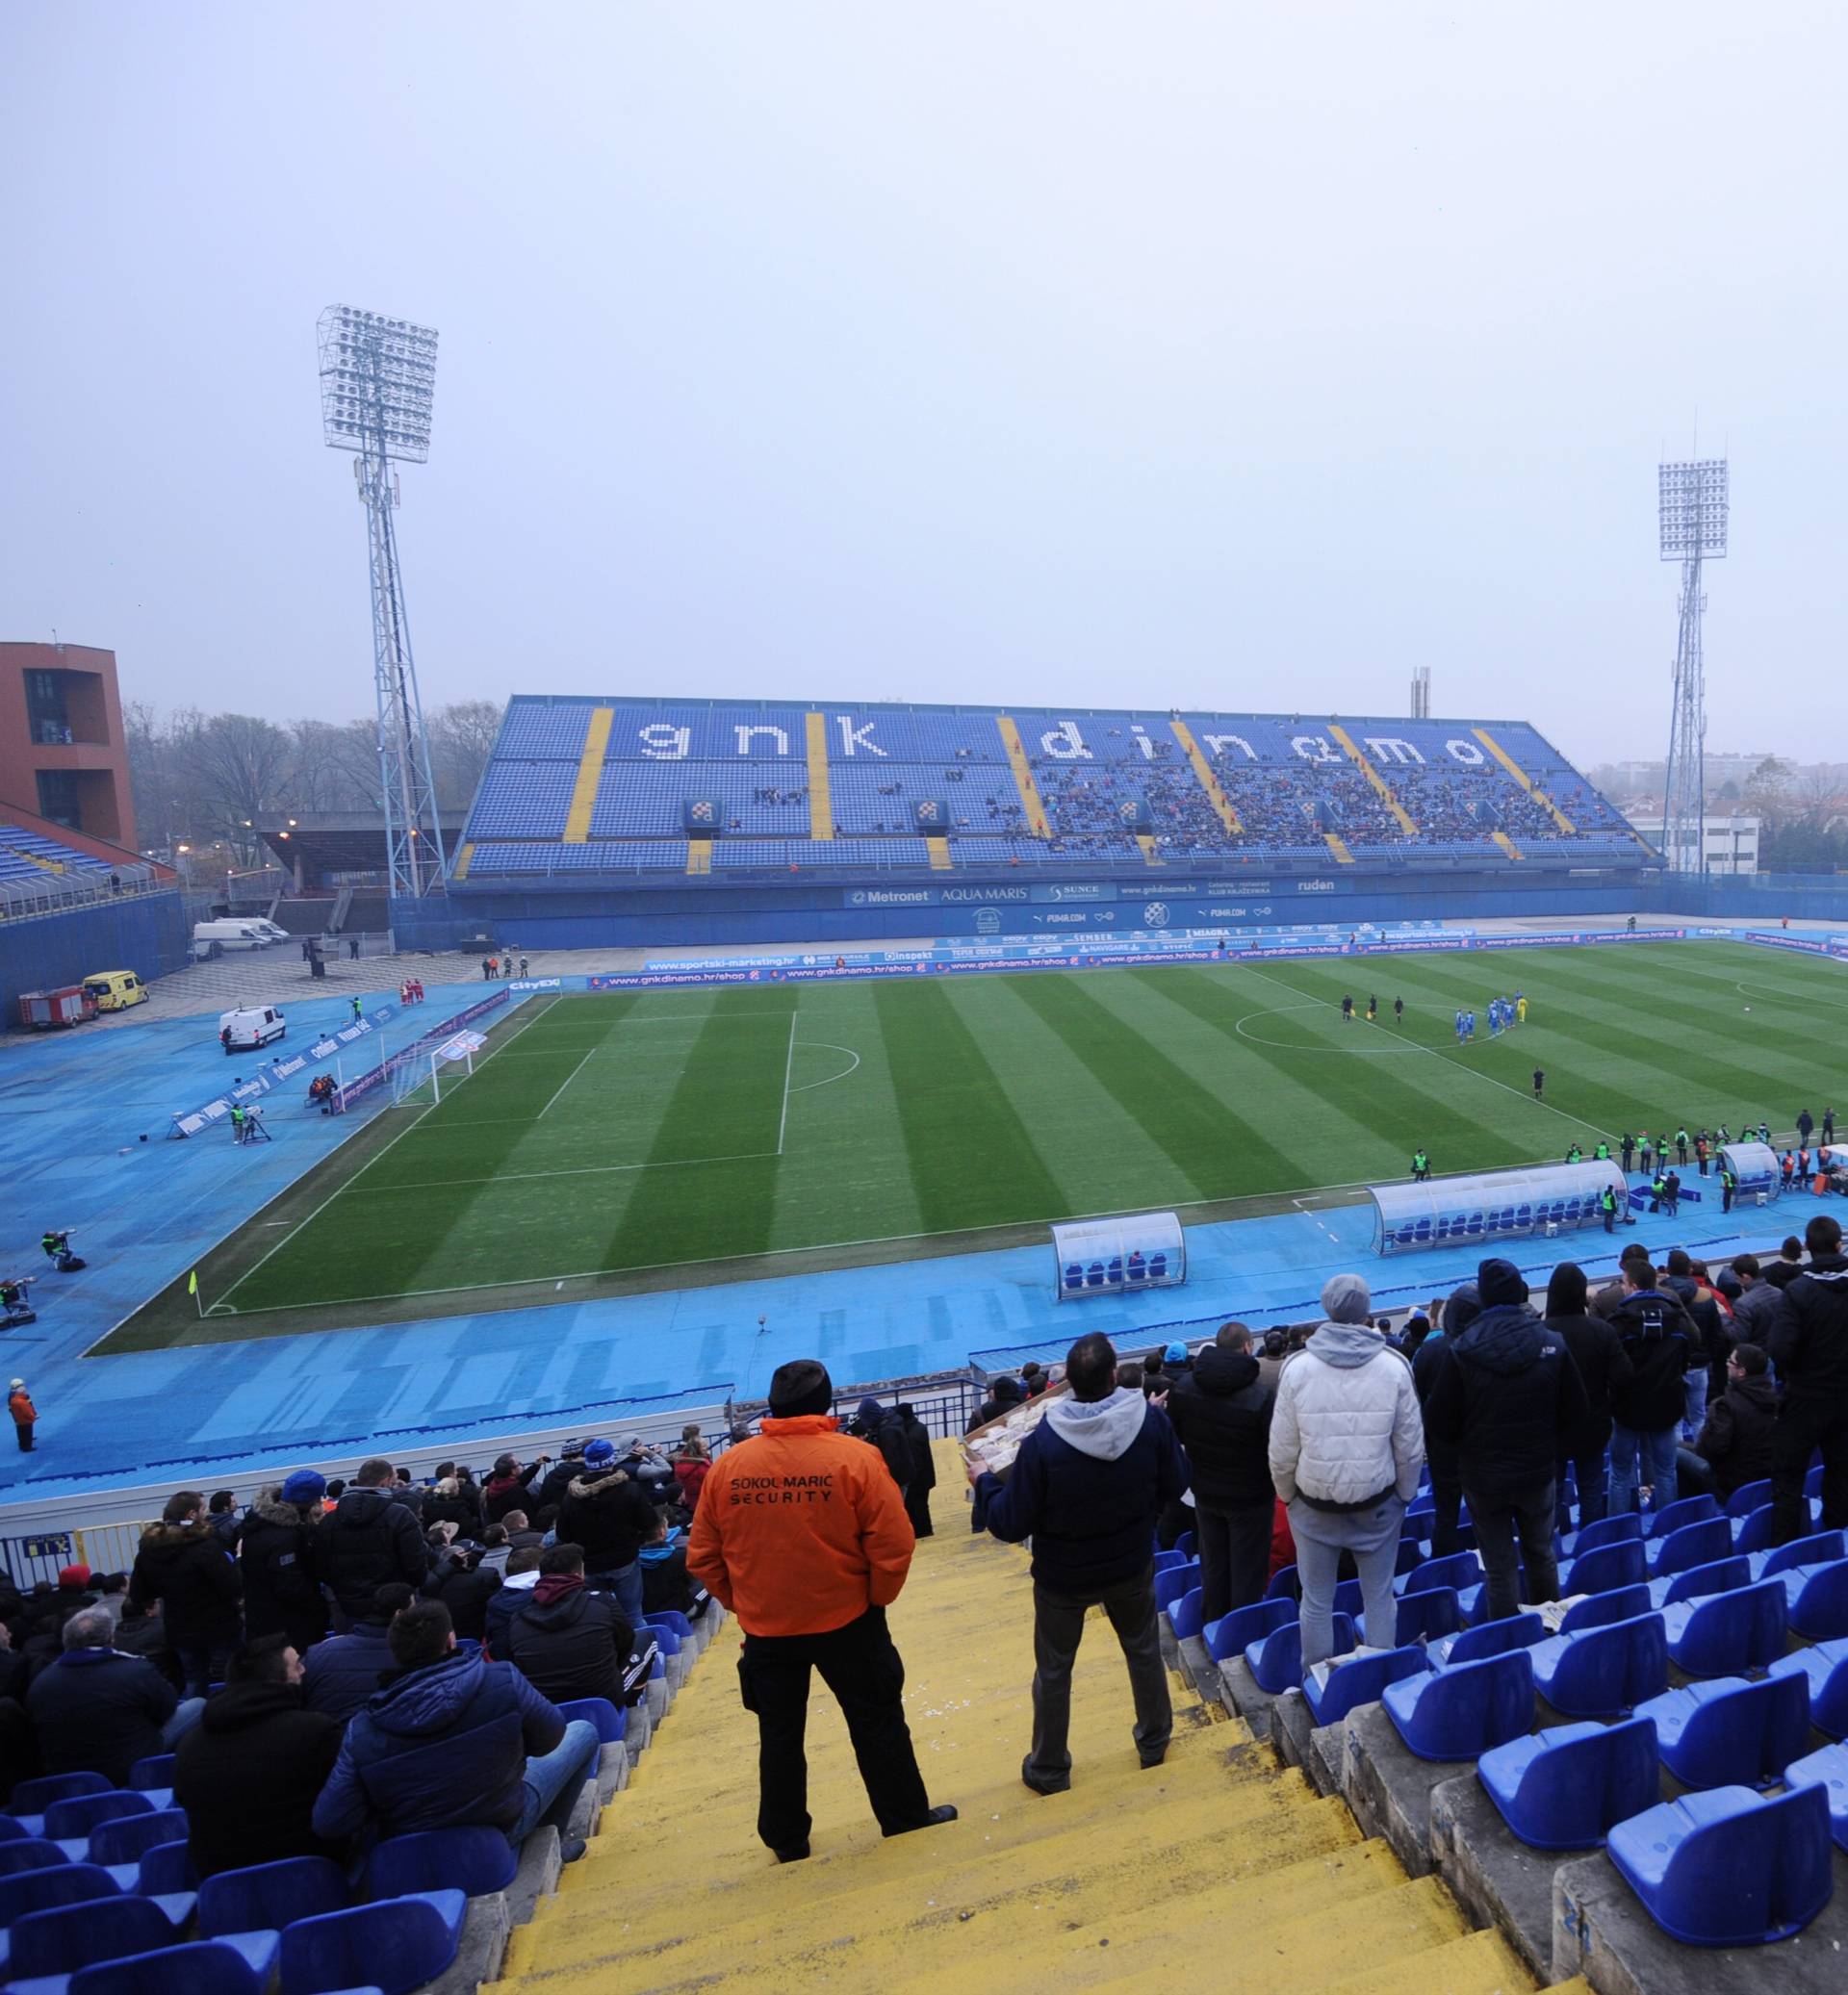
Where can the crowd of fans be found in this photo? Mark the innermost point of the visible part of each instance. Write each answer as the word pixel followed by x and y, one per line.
pixel 1457 804
pixel 343 1661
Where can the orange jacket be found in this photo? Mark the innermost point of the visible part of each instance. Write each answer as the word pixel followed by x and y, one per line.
pixel 23 1411
pixel 801 1530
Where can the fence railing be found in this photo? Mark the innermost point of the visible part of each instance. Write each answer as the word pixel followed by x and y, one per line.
pixel 54 893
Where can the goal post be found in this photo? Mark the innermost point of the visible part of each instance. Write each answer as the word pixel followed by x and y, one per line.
pixel 417 1076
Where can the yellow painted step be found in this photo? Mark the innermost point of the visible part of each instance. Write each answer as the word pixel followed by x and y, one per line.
pixel 1339 847
pixel 463 859
pixel 1209 782
pixel 590 773
pixel 1381 788
pixel 1148 852
pixel 1480 1963
pixel 698 854
pixel 1030 798
pixel 1525 782
pixel 1506 844
pixel 821 803
pixel 939 851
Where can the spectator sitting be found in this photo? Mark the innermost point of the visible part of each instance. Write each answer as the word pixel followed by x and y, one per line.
pixel 1736 1443
pixel 453 1740
pixel 183 1563
pixel 667 1587
pixel 368 1541
pixel 139 1632
pixel 520 1534
pixel 497 1548
pixel 612 1518
pixel 570 1642
pixel 451 1501
pixel 1032 1378
pixel 338 1675
pixel 515 1589
pixel 111 1591
pixel 281 1595
pixel 248 1776
pixel 403 1490
pixel 97 1710
pixel 465 1589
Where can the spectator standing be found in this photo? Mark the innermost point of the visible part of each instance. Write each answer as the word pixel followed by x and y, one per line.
pixel 339 1674
pixel 647 1466
pixel 1087 1487
pixel 922 1478
pixel 509 1486
pixel 451 1501
pixel 223 1512
pixel 1603 1366
pixel 1810 1348
pixel 1221 1416
pixel 1757 1307
pixel 25 1414
pixel 183 1564
pixel 879 1427
pixel 97 1710
pixel 810 1583
pixel 451 1741
pixel 691 1462
pixel 1453 1316
pixel 367 1540
pixel 1346 1445
pixel 248 1776
pixel 1709 1330
pixel 570 1642
pixel 276 1556
pixel 609 1514
pixel 558 1478
pixel 1738 1442
pixel 1648 1406
pixel 466 1588
pixel 1005 1394
pixel 1507 1393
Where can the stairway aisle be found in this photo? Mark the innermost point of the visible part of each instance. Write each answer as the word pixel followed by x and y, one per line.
pixel 1220 1869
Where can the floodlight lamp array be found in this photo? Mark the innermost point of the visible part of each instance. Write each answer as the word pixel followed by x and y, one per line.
pixel 1693 508
pixel 378 383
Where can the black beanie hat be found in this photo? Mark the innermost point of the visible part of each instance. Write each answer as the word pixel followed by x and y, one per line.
pixel 801 1386
pixel 1498 1282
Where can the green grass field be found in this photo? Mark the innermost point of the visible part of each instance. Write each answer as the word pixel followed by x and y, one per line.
pixel 605 1136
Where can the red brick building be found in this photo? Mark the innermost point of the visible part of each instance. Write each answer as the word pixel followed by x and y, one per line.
pixel 62 755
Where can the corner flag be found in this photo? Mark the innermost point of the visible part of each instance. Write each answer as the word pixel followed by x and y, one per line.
pixel 193 1283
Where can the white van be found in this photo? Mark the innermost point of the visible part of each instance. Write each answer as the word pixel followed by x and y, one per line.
pixel 250 1026
pixel 242 934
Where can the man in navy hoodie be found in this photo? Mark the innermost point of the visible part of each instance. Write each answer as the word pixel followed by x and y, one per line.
pixel 1087 1487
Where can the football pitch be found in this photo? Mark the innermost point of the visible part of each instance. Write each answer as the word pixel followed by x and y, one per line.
pixel 609 1144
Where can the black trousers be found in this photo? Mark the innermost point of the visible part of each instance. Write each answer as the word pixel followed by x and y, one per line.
pixel 23 1428
pixel 1806 1424
pixel 863 1670
pixel 1235 1554
pixel 1446 1499
pixel 1594 1485
pixel 1497 1519
pixel 1058 1629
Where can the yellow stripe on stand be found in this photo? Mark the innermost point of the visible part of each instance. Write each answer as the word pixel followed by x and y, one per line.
pixel 1023 777
pixel 1377 781
pixel 698 854
pixel 1525 782
pixel 939 851
pixel 1339 847
pixel 1149 853
pixel 1506 843
pixel 821 805
pixel 1209 782
pixel 460 870
pixel 590 773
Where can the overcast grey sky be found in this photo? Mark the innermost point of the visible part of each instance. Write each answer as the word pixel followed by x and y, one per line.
pixel 1224 355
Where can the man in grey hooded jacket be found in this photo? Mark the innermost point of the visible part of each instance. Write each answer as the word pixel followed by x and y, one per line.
pixel 1087 1487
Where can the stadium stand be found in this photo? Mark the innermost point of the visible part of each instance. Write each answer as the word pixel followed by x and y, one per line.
pixel 581 786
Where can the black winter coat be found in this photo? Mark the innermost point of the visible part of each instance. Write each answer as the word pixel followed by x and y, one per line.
pixel 366 1542
pixel 1709 1326
pixel 1604 1366
pixel 559 1478
pixel 281 1595
pixel 1221 1415
pixel 1735 1443
pixel 97 1712
pixel 1426 1362
pixel 1808 1339
pixel 466 1594
pixel 1659 1339
pixel 248 1776
pixel 568 1643
pixel 923 1469
pixel 186 1568
pixel 463 1510
pixel 609 1516
pixel 1506 1391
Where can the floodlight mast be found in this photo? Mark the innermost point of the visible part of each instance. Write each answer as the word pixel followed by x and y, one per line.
pixel 1693 501
pixel 377 384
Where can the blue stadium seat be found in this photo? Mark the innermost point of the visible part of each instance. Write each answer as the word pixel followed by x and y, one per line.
pixel 1187 1545
pixel 1770 1860
pixel 1459 1713
pixel 29 1852
pixel 1690 1544
pixel 120 1845
pixel 472 1860
pixel 1421 1616
pixel 1722 1577
pixel 1228 1636
pixel 1598 1572
pixel 394 1945
pixel 1812 1482
pixel 1603 1530
pixel 32 1798
pixel 206 1967
pixel 1724 1634
pixel 1456 1568
pixel 1599 1610
pixel 1731 1733
pixel 1489 1638
pixel 56 1884
pixel 1166 1561
pixel 63 1939
pixel 1748 1498
pixel 1177 1580
pixel 1184 1616
pixel 1829 1769
pixel 1826 1665
pixel 1674 1517
pixel 1275 1659
pixel 1818 1598
pixel 1817 1549
pixel 1604 1671
pixel 156 1771
pixel 610 1720
pixel 71 1823
pixel 1359 1680
pixel 236 1905
pixel 1565 1788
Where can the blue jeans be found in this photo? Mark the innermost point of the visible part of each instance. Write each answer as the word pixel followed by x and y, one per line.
pixel 626 1583
pixel 185 1716
pixel 1654 1454
pixel 1695 1418
pixel 554 1779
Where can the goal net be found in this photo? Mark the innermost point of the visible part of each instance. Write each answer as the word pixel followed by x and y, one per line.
pixel 420 1075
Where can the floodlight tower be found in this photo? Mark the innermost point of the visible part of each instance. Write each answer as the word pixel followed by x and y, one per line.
pixel 1693 506
pixel 378 383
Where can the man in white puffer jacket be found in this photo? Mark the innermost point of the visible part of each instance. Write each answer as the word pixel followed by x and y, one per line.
pixel 1347 1442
